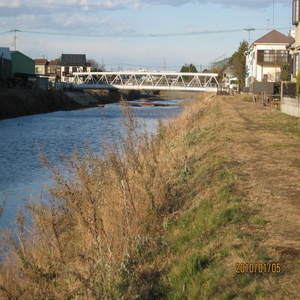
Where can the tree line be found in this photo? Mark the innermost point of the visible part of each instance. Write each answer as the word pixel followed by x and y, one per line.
pixel 237 64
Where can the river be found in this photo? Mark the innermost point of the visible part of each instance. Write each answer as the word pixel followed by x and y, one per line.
pixel 21 174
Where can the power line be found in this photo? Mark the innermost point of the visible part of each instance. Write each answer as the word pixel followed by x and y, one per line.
pixel 148 35
pixel 5 32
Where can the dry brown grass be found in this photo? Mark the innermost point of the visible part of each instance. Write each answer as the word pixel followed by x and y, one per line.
pixel 89 238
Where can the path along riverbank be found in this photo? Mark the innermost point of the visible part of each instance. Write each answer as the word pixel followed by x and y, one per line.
pixel 253 221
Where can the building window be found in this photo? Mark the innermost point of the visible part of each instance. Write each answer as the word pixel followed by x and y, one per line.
pixel 38 70
pixel 282 56
pixel 272 56
pixel 267 56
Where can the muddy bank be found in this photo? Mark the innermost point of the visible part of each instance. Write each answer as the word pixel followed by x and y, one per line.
pixel 112 96
pixel 182 95
pixel 21 102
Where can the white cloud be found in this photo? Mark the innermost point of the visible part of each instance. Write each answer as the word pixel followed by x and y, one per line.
pixel 78 24
pixel 16 8
pixel 77 19
pixel 76 16
pixel 254 4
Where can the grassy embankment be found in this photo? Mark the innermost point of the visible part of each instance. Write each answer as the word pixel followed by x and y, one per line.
pixel 168 219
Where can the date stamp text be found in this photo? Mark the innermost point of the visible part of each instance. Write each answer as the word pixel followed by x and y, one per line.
pixel 252 268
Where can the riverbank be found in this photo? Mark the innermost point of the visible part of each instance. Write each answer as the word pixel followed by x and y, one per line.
pixel 207 210
pixel 22 102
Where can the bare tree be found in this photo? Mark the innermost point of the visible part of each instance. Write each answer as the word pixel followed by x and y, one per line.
pixel 95 67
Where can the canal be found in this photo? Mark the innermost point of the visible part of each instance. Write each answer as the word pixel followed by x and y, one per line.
pixel 22 176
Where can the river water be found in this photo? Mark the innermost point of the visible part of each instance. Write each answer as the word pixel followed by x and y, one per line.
pixel 21 174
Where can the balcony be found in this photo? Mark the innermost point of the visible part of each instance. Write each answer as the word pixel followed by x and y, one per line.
pixel 273 57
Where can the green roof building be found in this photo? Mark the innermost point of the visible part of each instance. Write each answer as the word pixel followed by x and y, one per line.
pixel 22 63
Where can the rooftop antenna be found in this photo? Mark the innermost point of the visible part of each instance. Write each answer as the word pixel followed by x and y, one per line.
pixel 14 44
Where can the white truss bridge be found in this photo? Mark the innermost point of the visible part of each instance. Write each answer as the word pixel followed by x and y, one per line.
pixel 148 81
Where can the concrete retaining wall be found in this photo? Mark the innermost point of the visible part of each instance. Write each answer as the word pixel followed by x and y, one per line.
pixel 290 106
pixel 259 87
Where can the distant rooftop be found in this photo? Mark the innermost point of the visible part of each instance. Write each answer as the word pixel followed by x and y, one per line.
pixel 5 52
pixel 73 60
pixel 40 61
pixel 52 62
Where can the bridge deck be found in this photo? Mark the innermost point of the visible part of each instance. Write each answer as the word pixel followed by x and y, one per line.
pixel 146 81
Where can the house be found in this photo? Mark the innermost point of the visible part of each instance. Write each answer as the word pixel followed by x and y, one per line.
pixel 5 64
pixel 53 71
pixel 41 66
pixel 71 63
pixel 48 68
pixel 294 46
pixel 228 74
pixel 265 58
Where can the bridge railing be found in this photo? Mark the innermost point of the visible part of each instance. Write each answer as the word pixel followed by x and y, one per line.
pixel 146 80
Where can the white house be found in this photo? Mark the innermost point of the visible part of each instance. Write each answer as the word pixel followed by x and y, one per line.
pixel 71 63
pixel 265 58
pixel 41 66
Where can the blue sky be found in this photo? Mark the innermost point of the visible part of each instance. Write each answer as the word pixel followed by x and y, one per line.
pixel 149 34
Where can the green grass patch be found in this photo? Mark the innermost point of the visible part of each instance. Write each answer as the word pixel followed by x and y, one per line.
pixel 284 123
pixel 258 221
pixel 206 242
pixel 248 99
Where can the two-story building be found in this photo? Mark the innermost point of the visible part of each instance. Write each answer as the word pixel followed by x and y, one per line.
pixel 71 63
pixel 41 66
pixel 265 58
pixel 48 68
pixel 294 47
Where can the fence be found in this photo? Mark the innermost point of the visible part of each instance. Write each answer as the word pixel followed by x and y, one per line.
pixel 290 106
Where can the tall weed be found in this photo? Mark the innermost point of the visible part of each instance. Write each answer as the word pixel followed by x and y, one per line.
pixel 91 237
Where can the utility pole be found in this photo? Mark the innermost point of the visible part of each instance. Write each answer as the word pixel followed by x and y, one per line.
pixel 2 69
pixel 273 14
pixel 249 29
pixel 15 38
